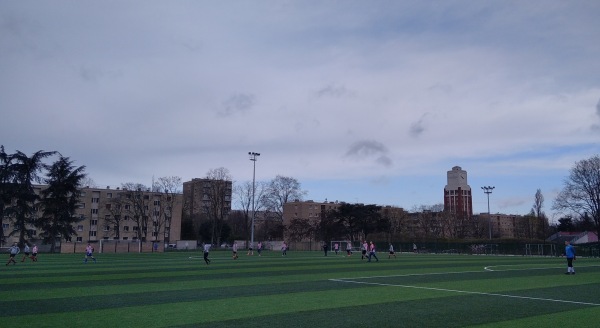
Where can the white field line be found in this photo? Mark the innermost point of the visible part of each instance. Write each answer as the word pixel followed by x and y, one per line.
pixel 489 268
pixel 353 281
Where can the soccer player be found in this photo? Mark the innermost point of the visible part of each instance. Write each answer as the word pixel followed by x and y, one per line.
pixel 570 254
pixel 206 250
pixel 336 248
pixel 34 252
pixel 284 249
pixel 363 250
pixel 25 252
pixel 372 252
pixel 349 248
pixel 259 248
pixel 250 250
pixel 392 252
pixel 13 250
pixel 89 252
pixel 234 249
pixel 325 248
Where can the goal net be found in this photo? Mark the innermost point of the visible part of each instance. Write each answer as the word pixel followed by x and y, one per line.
pixel 540 250
pixel 121 246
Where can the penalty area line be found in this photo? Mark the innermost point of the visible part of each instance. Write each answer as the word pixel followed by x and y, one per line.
pixel 467 292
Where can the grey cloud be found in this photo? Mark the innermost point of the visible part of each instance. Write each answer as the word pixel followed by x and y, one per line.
pixel 370 148
pixel 366 148
pixel 384 160
pixel 237 103
pixel 334 92
pixel 417 128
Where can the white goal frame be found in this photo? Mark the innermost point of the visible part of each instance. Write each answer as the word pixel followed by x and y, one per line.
pixel 540 250
pixel 104 242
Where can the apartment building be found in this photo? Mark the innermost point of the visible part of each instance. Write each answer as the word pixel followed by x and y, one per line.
pixel 120 214
pixel 308 210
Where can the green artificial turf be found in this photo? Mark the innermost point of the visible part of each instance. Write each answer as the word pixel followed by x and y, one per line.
pixel 303 289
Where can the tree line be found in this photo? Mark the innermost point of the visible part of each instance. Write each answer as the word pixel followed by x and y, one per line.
pixel 216 223
pixel 57 203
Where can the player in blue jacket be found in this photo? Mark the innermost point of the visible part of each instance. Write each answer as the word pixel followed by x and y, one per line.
pixel 570 255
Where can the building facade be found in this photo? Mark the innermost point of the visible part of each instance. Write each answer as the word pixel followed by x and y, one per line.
pixel 457 193
pixel 118 214
pixel 205 199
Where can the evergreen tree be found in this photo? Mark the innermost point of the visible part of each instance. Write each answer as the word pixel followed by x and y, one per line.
pixel 26 171
pixel 59 201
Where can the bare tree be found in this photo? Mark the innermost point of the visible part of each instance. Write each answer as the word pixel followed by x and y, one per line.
pixel 88 182
pixel 542 224
pixel 280 191
pixel 581 191
pixel 137 205
pixel 166 188
pixel 300 229
pixel 538 204
pixel 243 193
pixel 217 203
pixel 115 207
pixel 429 223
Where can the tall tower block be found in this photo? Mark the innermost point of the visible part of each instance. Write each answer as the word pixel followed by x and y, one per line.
pixel 457 193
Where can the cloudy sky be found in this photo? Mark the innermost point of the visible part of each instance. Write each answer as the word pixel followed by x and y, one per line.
pixel 361 101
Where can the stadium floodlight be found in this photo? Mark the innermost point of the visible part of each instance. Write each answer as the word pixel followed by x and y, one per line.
pixel 253 157
pixel 488 190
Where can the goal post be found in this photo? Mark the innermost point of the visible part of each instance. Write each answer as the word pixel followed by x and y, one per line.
pixel 540 250
pixel 120 246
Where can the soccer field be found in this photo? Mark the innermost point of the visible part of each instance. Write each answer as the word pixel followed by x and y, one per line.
pixel 303 289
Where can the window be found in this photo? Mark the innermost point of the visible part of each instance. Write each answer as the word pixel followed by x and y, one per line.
pixel 95 200
pixel 93 222
pixel 108 206
pixel 80 228
pixel 105 238
pixel 5 226
pixel 116 228
pixel 126 228
pixel 92 233
pixel 81 205
pixel 156 202
pixel 109 195
pixel 146 197
pixel 127 207
pixel 154 234
pixel 107 217
pixel 125 238
pixel 94 211
pixel 136 228
pixel 79 239
pixel 106 228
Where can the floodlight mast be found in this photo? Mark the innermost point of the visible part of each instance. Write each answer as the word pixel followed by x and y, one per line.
pixel 488 190
pixel 253 157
